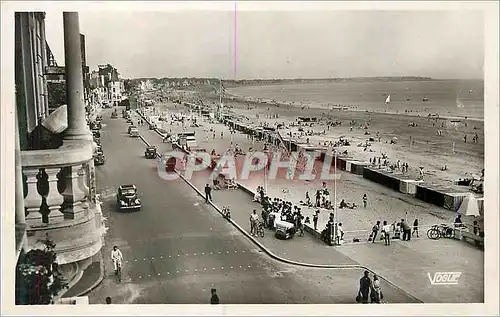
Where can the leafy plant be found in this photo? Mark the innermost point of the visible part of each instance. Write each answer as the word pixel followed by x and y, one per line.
pixel 56 94
pixel 38 279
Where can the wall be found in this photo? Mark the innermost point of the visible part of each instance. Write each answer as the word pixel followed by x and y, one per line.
pixel 30 62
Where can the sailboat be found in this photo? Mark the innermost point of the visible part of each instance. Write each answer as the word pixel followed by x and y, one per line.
pixel 388 100
pixel 460 104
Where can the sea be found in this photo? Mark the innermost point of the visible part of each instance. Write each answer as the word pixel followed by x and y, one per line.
pixel 448 98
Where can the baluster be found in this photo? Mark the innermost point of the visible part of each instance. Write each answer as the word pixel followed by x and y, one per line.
pixel 33 199
pixel 54 199
pixel 82 176
pixel 73 195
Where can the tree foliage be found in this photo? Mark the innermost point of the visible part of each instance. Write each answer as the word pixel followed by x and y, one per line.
pixel 38 279
pixel 56 94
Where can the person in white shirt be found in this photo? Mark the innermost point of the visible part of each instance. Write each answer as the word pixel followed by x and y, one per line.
pixel 386 231
pixel 254 218
pixel 116 256
pixel 340 233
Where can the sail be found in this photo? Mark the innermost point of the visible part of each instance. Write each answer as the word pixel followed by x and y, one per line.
pixel 460 104
pixel 388 100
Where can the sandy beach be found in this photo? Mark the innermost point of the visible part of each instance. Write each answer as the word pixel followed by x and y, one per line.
pixel 418 145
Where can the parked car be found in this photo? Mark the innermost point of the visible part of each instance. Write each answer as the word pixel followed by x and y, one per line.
pixel 128 198
pixel 96 133
pixel 150 152
pixel 99 159
pixel 114 115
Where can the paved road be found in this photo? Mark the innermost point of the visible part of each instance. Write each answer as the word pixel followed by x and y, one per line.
pixel 176 248
pixel 308 250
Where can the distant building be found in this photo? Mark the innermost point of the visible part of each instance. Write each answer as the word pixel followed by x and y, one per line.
pixel 106 86
pixel 115 90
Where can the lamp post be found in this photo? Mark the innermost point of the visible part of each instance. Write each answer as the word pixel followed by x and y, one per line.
pixel 335 217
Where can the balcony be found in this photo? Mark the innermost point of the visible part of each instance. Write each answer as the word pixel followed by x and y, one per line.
pixel 60 200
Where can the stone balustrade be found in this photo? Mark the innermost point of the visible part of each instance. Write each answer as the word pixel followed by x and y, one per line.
pixel 58 199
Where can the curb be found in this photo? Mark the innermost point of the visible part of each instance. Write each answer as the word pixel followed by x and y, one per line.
pixel 291 262
pixel 99 280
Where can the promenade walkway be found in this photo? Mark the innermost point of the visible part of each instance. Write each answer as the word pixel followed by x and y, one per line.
pixel 407 264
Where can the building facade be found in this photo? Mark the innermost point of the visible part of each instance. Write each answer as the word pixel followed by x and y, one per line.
pixel 57 194
pixel 115 90
pixel 105 85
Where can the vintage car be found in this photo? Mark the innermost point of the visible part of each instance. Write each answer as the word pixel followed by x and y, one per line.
pixel 114 115
pixel 150 152
pixel 134 132
pixel 129 120
pixel 130 128
pixel 99 158
pixel 99 117
pixel 96 133
pixel 98 149
pixel 127 198
pixel 284 230
pixel 152 126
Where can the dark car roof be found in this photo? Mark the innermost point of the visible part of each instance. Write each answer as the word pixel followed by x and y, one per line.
pixel 127 186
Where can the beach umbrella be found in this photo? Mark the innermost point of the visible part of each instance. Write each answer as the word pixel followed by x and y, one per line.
pixel 469 206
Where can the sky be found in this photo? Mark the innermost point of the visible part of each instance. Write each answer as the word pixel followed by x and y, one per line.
pixel 280 44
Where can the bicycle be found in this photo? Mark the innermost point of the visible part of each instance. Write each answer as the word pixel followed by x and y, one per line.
pixel 119 271
pixel 440 231
pixel 260 229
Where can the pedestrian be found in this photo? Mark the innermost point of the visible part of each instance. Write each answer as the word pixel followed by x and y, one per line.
pixel 253 222
pixel 318 198
pixel 300 224
pixel 415 227
pixel 365 284
pixel 386 231
pixel 208 193
pixel 365 200
pixel 315 220
pixel 108 300
pixel 476 229
pixel 376 292
pixel 214 300
pixel 340 233
pixel 264 215
pixel 375 230
pixel 406 230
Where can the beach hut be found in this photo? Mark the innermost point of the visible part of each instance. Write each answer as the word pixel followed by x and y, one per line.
pixel 469 206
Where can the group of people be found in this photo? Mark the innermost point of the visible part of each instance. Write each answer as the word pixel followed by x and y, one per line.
pixel 400 166
pixel 400 230
pixel 278 209
pixel 370 290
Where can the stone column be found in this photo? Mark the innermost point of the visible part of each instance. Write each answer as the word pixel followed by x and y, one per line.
pixel 20 215
pixel 77 126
